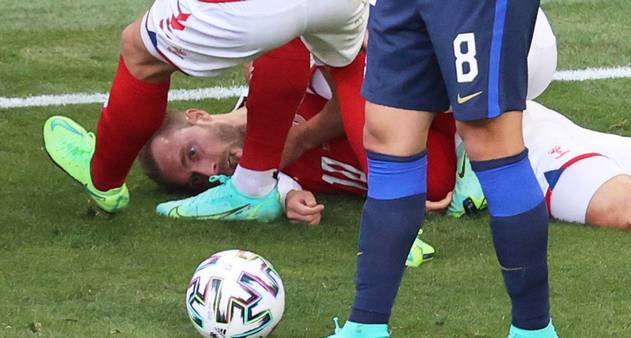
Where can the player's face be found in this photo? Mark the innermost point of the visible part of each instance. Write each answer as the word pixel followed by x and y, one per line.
pixel 204 147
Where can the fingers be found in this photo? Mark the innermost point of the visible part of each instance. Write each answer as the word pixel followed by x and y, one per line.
pixel 439 206
pixel 306 214
pixel 304 208
pixel 309 199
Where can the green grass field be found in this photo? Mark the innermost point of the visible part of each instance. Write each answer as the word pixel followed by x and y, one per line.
pixel 67 271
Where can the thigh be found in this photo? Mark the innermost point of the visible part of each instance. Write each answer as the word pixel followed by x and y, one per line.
pixel 482 49
pixel 401 67
pixel 611 206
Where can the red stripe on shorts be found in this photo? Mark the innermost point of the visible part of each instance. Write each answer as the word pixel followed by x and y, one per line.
pixel 565 166
pixel 218 1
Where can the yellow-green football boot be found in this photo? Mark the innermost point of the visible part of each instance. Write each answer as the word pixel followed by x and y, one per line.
pixel 420 252
pixel 71 147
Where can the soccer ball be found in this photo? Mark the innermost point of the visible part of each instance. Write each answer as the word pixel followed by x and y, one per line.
pixel 235 294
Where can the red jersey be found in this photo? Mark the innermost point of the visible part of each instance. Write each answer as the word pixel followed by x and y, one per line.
pixel 340 165
pixel 330 168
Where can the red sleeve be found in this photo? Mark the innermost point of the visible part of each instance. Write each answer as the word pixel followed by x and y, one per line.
pixel 441 157
pixel 277 86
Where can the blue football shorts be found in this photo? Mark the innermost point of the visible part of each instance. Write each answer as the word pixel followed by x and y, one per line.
pixel 429 55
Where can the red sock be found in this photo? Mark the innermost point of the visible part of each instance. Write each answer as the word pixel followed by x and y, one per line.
pixel 134 111
pixel 279 80
pixel 441 157
pixel 348 82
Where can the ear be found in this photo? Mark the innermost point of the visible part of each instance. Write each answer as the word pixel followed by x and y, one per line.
pixel 194 116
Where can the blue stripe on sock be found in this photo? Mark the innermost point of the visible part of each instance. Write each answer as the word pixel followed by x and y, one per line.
pixel 391 177
pixel 509 184
pixel 500 162
pixel 496 58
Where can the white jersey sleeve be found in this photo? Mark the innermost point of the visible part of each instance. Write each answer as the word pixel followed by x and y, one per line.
pixel 285 185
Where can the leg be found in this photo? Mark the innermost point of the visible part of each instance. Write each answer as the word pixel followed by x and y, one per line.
pixel 395 140
pixel 483 61
pixel 519 218
pixel 346 83
pixel 135 109
pixel 403 87
pixel 278 83
pixel 611 206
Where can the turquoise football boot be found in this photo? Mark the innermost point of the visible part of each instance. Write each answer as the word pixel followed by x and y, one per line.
pixel 468 197
pixel 420 252
pixel 224 202
pixel 546 332
pixel 356 330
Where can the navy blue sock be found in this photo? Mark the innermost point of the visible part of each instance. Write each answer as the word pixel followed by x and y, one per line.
pixel 519 222
pixel 391 219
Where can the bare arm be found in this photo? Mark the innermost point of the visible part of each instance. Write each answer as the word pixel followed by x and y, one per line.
pixel 323 127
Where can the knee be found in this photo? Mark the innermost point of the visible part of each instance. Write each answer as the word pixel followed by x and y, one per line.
pixel 373 139
pixel 494 138
pixel 395 131
pixel 128 38
pixel 140 63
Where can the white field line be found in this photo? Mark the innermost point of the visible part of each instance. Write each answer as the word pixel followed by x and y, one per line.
pixel 86 98
pixel 235 91
pixel 593 74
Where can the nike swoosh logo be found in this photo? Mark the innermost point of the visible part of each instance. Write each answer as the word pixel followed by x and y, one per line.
pixel 463 166
pixel 61 123
pixel 462 100
pixel 220 215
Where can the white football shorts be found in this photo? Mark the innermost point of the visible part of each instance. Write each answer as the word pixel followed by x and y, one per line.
pixel 202 37
pixel 571 163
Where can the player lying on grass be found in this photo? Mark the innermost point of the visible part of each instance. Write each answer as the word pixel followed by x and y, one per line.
pixel 334 166
pixel 184 153
pixel 201 38
pixel 583 173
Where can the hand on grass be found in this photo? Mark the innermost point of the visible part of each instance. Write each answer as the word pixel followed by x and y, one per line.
pixel 301 206
pixel 439 206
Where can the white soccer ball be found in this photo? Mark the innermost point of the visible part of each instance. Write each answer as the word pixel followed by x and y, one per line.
pixel 235 294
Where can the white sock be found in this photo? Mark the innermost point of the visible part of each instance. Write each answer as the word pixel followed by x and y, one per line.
pixel 254 183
